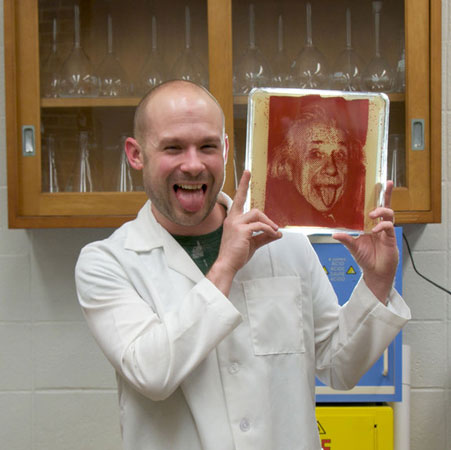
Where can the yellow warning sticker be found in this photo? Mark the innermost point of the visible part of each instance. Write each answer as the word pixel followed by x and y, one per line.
pixel 351 271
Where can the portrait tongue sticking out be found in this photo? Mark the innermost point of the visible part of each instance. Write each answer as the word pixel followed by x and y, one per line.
pixel 327 194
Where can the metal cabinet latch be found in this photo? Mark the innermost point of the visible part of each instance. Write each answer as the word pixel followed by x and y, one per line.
pixel 28 144
pixel 417 134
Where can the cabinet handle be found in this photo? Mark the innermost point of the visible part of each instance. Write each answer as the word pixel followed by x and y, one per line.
pixel 28 147
pixel 417 134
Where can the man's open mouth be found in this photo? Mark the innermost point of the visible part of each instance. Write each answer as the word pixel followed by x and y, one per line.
pixel 191 197
pixel 190 187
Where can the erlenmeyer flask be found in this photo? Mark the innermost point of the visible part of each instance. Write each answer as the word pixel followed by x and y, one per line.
pixel 152 73
pixel 50 76
pixel 282 76
pixel 81 178
pixel 252 70
pixel 347 71
pixel 77 78
pixel 309 69
pixel 396 159
pixel 124 181
pixel 378 76
pixel 188 66
pixel 112 77
pixel 49 168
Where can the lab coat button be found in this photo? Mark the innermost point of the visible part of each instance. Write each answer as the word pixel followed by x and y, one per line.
pixel 245 425
pixel 234 368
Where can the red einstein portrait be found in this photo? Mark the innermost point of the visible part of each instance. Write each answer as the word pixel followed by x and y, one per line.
pixel 316 160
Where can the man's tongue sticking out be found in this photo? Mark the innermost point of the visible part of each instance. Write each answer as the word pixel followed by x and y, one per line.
pixel 190 197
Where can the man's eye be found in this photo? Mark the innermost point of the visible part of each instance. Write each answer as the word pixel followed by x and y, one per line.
pixel 209 147
pixel 172 148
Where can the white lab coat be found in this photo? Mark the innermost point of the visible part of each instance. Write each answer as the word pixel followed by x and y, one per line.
pixel 199 371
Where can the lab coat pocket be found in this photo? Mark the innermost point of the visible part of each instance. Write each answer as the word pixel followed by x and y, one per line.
pixel 274 308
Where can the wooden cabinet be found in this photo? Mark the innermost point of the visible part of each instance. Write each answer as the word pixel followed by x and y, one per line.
pixel 219 30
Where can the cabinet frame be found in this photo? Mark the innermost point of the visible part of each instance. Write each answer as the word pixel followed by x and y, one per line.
pixel 45 210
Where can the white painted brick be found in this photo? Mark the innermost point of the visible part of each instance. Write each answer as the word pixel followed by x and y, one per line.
pixel 15 421
pixel 428 426
pixel 446 168
pixel 446 21
pixel 447 217
pixel 16 357
pixel 425 300
pixel 444 74
pixel 425 237
pixel 66 356
pixel 448 416
pixel 74 421
pixel 448 66
pixel 428 353
pixel 53 257
pixel 3 178
pixel 445 127
pixel 12 242
pixel 68 241
pixel 15 288
pixel 448 386
pixel 446 160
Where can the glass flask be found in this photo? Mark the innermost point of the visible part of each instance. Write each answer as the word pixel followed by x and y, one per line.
pixel 252 69
pixel 49 169
pixel 50 72
pixel 396 163
pixel 124 181
pixel 309 69
pixel 347 71
pixel 188 65
pixel 152 72
pixel 77 78
pixel 400 77
pixel 112 77
pixel 378 75
pixel 282 76
pixel 81 179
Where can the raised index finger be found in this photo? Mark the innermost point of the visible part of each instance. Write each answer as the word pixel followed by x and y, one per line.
pixel 241 193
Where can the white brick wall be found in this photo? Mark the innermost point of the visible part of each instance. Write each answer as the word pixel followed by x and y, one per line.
pixel 58 392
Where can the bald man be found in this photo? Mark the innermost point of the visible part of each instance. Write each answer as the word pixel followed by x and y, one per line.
pixel 214 322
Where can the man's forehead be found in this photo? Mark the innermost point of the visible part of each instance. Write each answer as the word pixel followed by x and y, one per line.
pixel 179 93
pixel 181 102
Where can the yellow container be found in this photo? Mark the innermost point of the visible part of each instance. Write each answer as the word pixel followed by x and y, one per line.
pixel 355 427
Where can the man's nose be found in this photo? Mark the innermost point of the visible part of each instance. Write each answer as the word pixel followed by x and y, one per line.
pixel 192 162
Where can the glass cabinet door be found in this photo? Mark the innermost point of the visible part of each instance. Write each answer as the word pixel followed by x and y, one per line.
pixel 84 67
pixel 375 46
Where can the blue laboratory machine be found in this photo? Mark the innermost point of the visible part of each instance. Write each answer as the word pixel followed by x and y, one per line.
pixel 383 382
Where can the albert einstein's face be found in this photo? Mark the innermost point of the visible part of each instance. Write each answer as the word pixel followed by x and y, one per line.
pixel 321 170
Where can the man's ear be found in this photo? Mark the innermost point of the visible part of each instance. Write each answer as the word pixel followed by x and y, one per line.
pixel 134 153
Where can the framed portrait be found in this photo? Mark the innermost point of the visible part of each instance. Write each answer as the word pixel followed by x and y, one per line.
pixel 318 158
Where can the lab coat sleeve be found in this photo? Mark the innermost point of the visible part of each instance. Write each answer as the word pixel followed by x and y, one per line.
pixel 153 352
pixel 350 339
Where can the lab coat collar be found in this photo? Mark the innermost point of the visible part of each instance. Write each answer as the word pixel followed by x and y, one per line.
pixel 145 233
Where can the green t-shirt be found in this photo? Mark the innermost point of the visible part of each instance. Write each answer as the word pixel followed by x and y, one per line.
pixel 202 249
